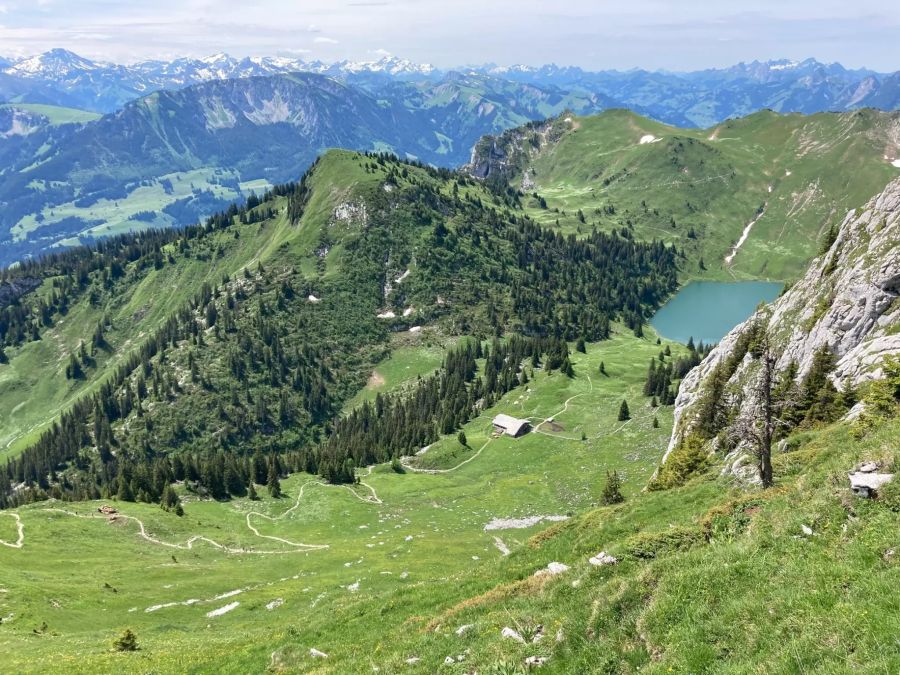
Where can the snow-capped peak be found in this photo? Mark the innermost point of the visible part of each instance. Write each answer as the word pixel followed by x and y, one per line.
pixel 54 64
pixel 783 65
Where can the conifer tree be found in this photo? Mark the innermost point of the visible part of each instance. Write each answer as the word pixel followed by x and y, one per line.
pixel 624 413
pixel 612 493
pixel 273 483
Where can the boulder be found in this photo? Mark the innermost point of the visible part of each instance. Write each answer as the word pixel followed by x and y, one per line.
pixel 867 484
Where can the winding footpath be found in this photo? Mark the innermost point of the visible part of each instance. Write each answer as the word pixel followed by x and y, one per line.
pixel 405 462
pixel 20 527
pixel 296 547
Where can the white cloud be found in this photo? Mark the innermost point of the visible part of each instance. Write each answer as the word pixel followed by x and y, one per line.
pixel 590 33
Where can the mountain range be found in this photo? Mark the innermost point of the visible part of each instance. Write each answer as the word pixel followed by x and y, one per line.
pixel 89 149
pixel 698 98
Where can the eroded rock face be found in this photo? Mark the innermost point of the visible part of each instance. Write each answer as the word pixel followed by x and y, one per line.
pixel 847 301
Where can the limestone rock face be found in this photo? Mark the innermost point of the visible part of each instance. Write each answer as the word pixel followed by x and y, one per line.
pixel 847 301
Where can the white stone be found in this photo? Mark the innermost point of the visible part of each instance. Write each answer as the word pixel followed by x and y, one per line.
pixel 535 661
pixel 864 483
pixel 511 634
pixel 316 654
pixel 602 558
pixel 557 568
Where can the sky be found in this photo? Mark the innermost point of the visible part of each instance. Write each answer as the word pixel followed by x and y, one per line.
pixel 595 34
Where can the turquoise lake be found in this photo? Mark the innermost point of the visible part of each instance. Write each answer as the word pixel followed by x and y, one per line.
pixel 707 310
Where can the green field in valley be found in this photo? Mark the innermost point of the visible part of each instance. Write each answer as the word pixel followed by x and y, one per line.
pixel 322 553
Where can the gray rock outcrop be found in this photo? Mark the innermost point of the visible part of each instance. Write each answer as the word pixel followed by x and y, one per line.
pixel 847 301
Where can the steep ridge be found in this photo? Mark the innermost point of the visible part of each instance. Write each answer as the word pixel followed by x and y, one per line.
pixel 174 157
pixel 843 312
pixel 697 189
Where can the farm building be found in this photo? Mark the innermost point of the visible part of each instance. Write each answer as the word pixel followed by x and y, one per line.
pixel 511 426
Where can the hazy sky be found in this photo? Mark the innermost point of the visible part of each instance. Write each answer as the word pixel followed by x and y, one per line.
pixel 676 35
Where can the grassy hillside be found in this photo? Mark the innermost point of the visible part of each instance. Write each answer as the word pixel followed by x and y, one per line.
pixel 701 188
pixel 407 540
pixel 709 577
pixel 374 248
pixel 139 304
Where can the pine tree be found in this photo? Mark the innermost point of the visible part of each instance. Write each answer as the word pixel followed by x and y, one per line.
pixel 251 492
pixel 612 493
pixel 273 483
pixel 126 642
pixel 603 368
pixel 463 441
pixel 624 413
pixel 655 422
pixel 580 346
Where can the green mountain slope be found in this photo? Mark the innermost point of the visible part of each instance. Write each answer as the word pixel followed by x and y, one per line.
pixel 291 302
pixel 701 189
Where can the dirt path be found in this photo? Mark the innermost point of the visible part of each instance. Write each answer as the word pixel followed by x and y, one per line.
pixel 296 545
pixel 405 462
pixel 565 408
pixel 20 527
pixel 189 543
pixel 371 499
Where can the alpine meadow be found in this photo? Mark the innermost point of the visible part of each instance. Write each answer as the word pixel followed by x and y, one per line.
pixel 330 361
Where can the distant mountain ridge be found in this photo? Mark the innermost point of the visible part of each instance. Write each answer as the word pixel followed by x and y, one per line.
pixel 699 98
pixel 172 157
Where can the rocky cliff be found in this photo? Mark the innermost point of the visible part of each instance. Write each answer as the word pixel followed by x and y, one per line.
pixel 505 155
pixel 846 302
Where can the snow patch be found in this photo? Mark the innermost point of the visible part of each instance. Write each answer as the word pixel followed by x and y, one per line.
pixel 415 329
pixel 387 315
pixel 648 138
pixel 521 523
pixel 896 163
pixel 222 610
pixel 743 238
pixel 229 594
pixel 277 602
pixel 408 311
pixel 313 298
